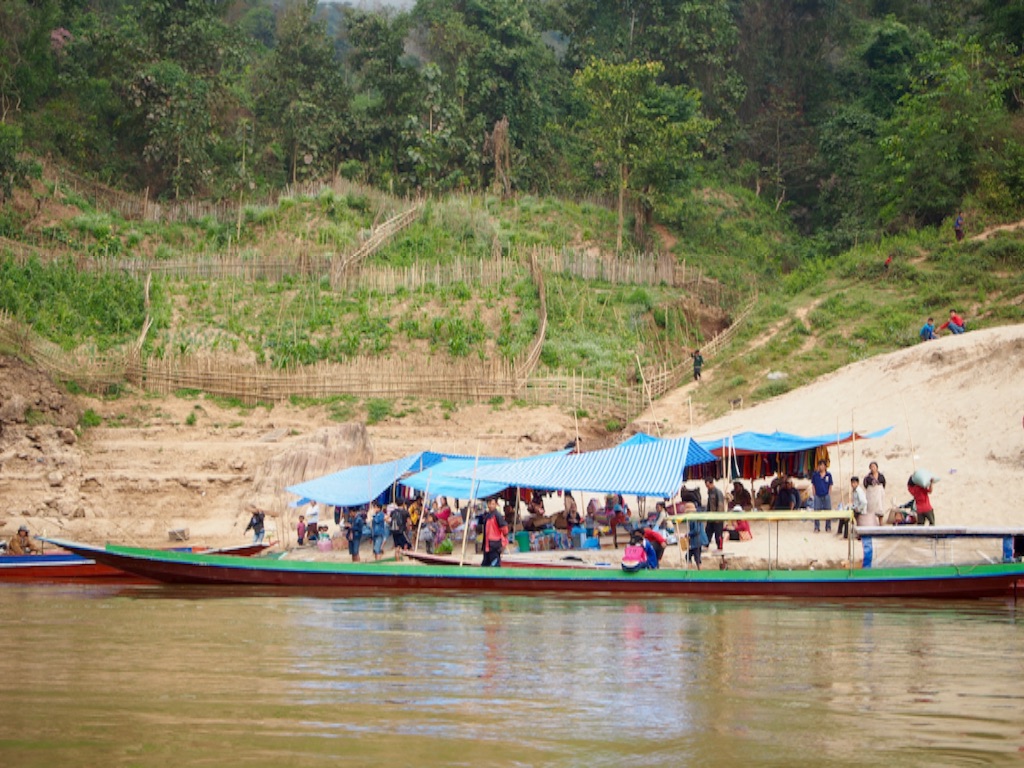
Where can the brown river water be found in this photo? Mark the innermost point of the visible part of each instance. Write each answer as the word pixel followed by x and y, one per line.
pixel 161 676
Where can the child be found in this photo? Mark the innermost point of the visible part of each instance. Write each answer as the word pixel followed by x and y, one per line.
pixel 698 540
pixel 431 533
pixel 300 529
pixel 859 503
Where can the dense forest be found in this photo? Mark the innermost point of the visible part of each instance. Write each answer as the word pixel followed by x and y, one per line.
pixel 851 117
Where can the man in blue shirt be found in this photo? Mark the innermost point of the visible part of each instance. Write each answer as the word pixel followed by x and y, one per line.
pixel 822 482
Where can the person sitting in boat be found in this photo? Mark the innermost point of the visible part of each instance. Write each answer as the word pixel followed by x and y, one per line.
pixel 21 544
pixel 640 554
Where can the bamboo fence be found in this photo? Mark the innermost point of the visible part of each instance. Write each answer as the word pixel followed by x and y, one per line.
pixel 388 378
pixel 381 235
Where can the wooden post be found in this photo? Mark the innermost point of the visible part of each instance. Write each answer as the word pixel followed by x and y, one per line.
pixel 469 510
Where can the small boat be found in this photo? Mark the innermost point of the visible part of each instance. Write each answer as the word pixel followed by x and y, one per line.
pixel 66 566
pixel 943 582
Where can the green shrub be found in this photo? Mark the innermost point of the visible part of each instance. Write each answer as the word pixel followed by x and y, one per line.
pixel 377 409
pixel 89 418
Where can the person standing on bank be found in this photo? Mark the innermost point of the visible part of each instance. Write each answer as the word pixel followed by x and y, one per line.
pixel 874 491
pixel 495 535
pixel 716 503
pixel 822 482
pixel 958 226
pixel 256 525
pixel 698 363
pixel 922 500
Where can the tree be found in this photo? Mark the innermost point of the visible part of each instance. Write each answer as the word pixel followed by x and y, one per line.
pixel 301 97
pixel 177 118
pixel 935 144
pixel 644 133
pixel 695 40
pixel 387 89
pixel 495 64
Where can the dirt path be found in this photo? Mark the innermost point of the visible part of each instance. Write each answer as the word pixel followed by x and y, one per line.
pixel 674 413
pixel 985 234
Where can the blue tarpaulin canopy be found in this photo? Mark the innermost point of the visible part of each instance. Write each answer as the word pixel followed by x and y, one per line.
pixel 454 477
pixel 360 485
pixel 745 443
pixel 652 468
pixel 439 481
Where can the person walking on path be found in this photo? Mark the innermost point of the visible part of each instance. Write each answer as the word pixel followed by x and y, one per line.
pixel 958 226
pixel 698 363
pixel 822 482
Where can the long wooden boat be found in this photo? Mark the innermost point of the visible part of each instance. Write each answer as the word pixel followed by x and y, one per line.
pixel 67 566
pixel 507 561
pixel 951 582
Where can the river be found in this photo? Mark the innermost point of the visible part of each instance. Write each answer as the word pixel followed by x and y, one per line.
pixel 162 676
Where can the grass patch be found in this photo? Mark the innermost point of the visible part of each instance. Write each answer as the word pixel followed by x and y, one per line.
pixel 377 409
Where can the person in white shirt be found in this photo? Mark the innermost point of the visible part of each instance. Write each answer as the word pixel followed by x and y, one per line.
pixel 859 503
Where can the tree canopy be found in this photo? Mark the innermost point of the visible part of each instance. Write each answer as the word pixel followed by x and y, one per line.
pixel 849 116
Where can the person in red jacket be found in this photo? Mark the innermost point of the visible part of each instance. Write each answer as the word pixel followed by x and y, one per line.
pixel 922 501
pixel 955 324
pixel 495 534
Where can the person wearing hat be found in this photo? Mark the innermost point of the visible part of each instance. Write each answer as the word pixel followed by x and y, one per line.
pixel 21 544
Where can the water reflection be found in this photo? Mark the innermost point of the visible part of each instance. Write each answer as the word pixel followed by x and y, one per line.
pixel 190 676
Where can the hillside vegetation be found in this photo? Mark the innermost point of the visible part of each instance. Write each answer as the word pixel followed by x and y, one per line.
pixel 216 181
